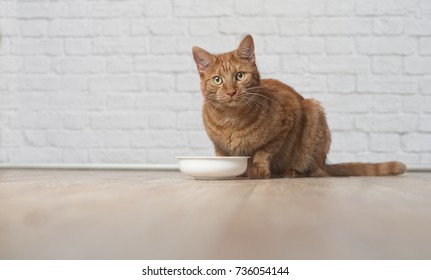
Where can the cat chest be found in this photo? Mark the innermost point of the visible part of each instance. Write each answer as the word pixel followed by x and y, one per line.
pixel 234 140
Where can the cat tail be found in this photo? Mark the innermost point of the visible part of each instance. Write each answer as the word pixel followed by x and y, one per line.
pixel 366 169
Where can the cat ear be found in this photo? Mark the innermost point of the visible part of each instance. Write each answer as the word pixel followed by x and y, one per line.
pixel 245 49
pixel 202 58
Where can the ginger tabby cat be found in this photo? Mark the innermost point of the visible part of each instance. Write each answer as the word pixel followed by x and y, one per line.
pixel 285 134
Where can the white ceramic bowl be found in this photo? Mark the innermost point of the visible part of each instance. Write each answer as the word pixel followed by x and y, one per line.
pixel 213 167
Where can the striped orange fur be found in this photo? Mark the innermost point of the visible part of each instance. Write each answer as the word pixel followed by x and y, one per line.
pixel 285 134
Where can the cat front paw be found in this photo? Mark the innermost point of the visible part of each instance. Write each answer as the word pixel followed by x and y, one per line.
pixel 258 171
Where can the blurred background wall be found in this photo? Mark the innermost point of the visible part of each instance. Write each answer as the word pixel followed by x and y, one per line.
pixel 91 81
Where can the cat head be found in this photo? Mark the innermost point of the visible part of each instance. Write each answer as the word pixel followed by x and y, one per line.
pixel 226 78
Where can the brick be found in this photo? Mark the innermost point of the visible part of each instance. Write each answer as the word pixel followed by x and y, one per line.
pixel 114 83
pixel 36 46
pixel 385 7
pixel 290 8
pixel 384 142
pixel 74 10
pixel 162 120
pixel 425 46
pixel 77 101
pixel 425 85
pixel 119 120
pixel 36 155
pixel 160 139
pixel 275 64
pixel 305 84
pixel 73 28
pixel 341 83
pixel 74 138
pixel 115 27
pixel 340 121
pixel 119 64
pixel 163 45
pixel 340 26
pixel 203 27
pixel 202 8
pixel 417 65
pixel 76 120
pixel 5 45
pixel 120 46
pixel 8 102
pixel 388 26
pixel 76 65
pixel 139 27
pixel 120 101
pixel 243 7
pixel 339 64
pixel 116 139
pixel 387 123
pixel 11 138
pixel 36 64
pixel 10 27
pixel 386 45
pixel 11 64
pixel 340 45
pixel 387 103
pixel 166 27
pixel 349 142
pixel 157 8
pixel 162 101
pixel 164 155
pixel 294 27
pixel 213 44
pixel 425 7
pixel 334 157
pixel 74 83
pixel 387 64
pixel 425 123
pixel 416 142
pixel 78 46
pixel 75 155
pixel 34 28
pixel 191 120
pixel 34 10
pixel 36 120
pixel 407 158
pixel 290 45
pixel 243 25
pixel 35 83
pixel 118 155
pixel 3 154
pixel 188 82
pixel 199 140
pixel 166 63
pixel 160 82
pixel 115 10
pixel 339 8
pixel 293 64
pixel 387 84
pixel 347 103
pixel 33 100
pixel 416 103
pixel 418 26
pixel 35 138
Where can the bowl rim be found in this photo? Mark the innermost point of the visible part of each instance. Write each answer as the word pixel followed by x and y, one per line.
pixel 212 157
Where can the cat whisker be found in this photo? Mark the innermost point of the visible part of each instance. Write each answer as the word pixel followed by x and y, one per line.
pixel 263 96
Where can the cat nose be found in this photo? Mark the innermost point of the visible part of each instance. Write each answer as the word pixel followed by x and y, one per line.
pixel 231 92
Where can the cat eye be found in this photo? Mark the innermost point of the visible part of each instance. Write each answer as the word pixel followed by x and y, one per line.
pixel 217 80
pixel 240 76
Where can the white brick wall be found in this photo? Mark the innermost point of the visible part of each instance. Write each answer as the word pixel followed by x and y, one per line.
pixel 114 81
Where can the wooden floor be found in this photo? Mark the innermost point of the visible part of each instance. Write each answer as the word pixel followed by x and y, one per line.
pixel 72 214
